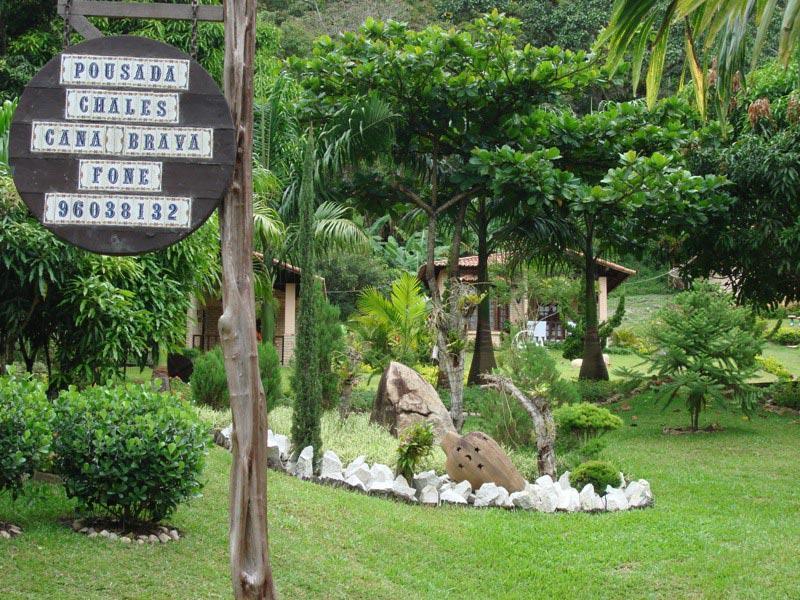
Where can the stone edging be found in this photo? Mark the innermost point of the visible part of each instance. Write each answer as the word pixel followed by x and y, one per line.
pixel 428 488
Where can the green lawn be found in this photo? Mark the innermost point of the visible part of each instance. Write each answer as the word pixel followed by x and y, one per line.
pixel 724 525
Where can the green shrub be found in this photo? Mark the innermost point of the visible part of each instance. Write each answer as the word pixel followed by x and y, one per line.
pixel 785 393
pixel 504 419
pixel 774 366
pixel 269 367
pixel 787 336
pixel 128 451
pixel 209 382
pixel 625 337
pixel 416 444
pixel 25 436
pixel 585 420
pixel 595 391
pixel 597 472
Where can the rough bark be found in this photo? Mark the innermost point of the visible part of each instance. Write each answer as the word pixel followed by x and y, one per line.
pixel 593 365
pixel 543 424
pixel 251 573
pixel 483 360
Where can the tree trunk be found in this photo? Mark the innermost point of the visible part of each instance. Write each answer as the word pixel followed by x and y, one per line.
pixel 483 360
pixel 593 365
pixel 251 573
pixel 543 424
pixel 160 369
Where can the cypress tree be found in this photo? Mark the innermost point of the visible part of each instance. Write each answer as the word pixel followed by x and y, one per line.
pixel 306 380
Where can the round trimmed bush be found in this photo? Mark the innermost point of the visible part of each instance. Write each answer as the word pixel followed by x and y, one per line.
pixel 25 436
pixel 585 420
pixel 128 451
pixel 787 336
pixel 597 472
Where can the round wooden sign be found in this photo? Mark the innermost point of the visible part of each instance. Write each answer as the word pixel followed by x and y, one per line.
pixel 122 145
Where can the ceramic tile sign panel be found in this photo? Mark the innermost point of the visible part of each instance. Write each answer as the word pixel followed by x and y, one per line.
pixel 122 145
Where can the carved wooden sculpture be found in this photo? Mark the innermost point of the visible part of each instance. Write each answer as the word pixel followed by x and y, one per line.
pixel 477 458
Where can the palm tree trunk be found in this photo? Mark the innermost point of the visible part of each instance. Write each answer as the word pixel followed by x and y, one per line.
pixel 483 360
pixel 593 365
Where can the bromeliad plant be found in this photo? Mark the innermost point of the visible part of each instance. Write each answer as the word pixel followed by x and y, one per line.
pixel 706 351
pixel 415 447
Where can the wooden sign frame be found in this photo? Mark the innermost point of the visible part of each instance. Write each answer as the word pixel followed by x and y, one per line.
pixel 118 165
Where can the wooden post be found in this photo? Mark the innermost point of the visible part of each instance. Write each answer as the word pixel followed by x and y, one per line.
pixel 251 573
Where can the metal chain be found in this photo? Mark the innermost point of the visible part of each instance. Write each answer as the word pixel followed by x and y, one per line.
pixel 67 26
pixel 194 29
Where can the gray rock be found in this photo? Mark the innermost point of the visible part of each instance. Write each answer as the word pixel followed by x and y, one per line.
pixel 77 525
pixel 590 500
pixel 615 499
pixel 545 481
pixel 524 500
pixel 381 473
pixel 304 467
pixel 463 489
pixel 163 538
pixel 113 536
pixel 490 494
pixel 361 473
pixel 351 468
pixel 380 486
pixel 451 496
pixel 429 495
pixel 281 441
pixel 173 533
pixel 223 437
pixel 5 535
pixel 355 482
pixel 92 534
pixel 13 529
pixel 503 498
pixel 401 489
pixel 446 486
pixel 152 538
pixel 568 500
pixel 638 494
pixel 425 479
pixel 405 398
pixel 548 496
pixel 105 533
pixel 331 465
pixel 563 481
pixel 274 459
pixel 125 539
pixel 83 530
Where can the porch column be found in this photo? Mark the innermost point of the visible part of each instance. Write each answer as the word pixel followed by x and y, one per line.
pixel 602 299
pixel 289 313
pixel 191 320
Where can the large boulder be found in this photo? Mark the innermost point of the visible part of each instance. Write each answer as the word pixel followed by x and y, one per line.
pixel 477 458
pixel 404 398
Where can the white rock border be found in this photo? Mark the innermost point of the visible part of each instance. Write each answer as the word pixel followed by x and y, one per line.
pixel 161 534
pixel 428 488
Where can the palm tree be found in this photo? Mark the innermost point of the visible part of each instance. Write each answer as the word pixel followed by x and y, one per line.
pixel 715 35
